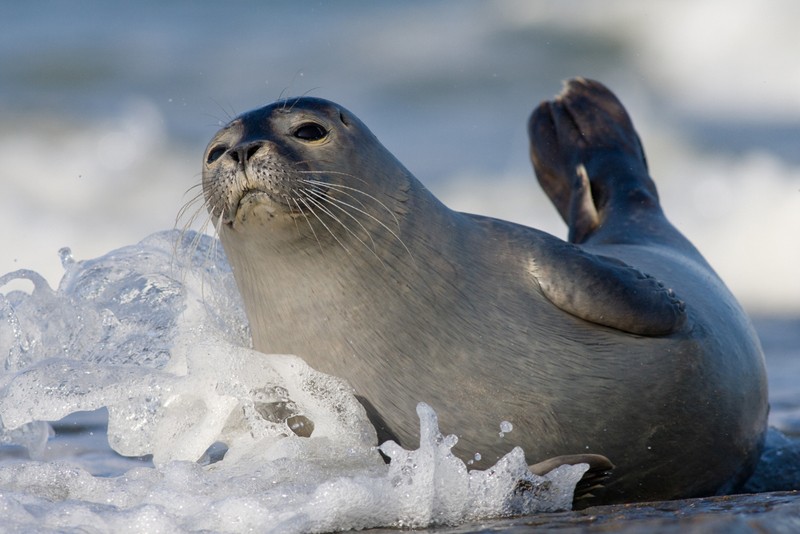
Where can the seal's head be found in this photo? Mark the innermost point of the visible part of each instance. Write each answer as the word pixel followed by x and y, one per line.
pixel 308 169
pixel 301 194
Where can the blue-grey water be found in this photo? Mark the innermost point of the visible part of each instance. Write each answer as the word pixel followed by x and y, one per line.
pixel 106 109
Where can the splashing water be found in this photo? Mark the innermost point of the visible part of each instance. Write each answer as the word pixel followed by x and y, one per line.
pixel 239 440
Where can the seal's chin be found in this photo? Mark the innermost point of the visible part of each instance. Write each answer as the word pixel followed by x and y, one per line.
pixel 255 197
pixel 259 204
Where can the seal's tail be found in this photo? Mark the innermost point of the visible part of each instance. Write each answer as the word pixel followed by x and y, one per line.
pixel 589 160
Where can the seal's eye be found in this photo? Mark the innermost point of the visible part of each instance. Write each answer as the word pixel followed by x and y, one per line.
pixel 310 131
pixel 215 153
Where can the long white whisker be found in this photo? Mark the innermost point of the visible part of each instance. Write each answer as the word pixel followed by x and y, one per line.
pixel 288 201
pixel 338 173
pixel 303 200
pixel 330 214
pixel 341 192
pixel 188 221
pixel 301 210
pixel 335 203
pixel 392 232
pixel 354 189
pixel 191 203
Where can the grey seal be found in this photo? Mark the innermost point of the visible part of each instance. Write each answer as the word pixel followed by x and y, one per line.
pixel 622 342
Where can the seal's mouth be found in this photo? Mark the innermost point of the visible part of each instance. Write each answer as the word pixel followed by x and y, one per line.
pixel 296 202
pixel 253 195
pixel 273 203
pixel 248 199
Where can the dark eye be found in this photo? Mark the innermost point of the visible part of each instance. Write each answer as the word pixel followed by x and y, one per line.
pixel 310 131
pixel 215 153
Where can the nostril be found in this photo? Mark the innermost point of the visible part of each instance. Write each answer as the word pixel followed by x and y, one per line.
pixel 243 153
pixel 252 149
pixel 215 153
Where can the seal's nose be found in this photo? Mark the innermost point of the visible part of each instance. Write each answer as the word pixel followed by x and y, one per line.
pixel 245 151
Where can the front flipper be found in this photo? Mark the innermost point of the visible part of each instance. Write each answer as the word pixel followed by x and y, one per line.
pixel 593 482
pixel 606 291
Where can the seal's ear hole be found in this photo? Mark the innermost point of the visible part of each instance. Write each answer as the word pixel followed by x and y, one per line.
pixel 215 153
pixel 343 119
pixel 310 131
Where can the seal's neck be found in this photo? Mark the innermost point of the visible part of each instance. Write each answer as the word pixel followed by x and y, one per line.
pixel 300 282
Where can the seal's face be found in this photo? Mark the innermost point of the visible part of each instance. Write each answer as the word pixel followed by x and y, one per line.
pixel 270 160
pixel 306 168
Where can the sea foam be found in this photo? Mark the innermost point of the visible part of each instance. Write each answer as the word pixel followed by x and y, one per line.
pixel 239 440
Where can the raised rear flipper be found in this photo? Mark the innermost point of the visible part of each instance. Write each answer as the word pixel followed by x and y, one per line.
pixel 590 162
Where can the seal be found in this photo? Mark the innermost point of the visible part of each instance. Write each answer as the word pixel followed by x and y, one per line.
pixel 622 342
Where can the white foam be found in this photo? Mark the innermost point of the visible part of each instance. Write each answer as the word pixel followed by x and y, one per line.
pixel 154 332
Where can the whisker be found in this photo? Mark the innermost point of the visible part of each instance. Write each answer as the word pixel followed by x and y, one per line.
pixel 218 224
pixel 185 209
pixel 303 200
pixel 289 203
pixel 231 113
pixel 210 254
pixel 392 232
pixel 195 186
pixel 339 191
pixel 189 221
pixel 342 224
pixel 338 173
pixel 301 210
pixel 354 189
pixel 335 203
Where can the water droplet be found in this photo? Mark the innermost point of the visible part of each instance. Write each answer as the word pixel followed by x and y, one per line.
pixel 65 254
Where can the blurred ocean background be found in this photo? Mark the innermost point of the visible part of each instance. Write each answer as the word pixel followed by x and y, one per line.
pixel 107 107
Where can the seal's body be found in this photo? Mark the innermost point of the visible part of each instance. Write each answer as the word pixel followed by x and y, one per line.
pixel 345 259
